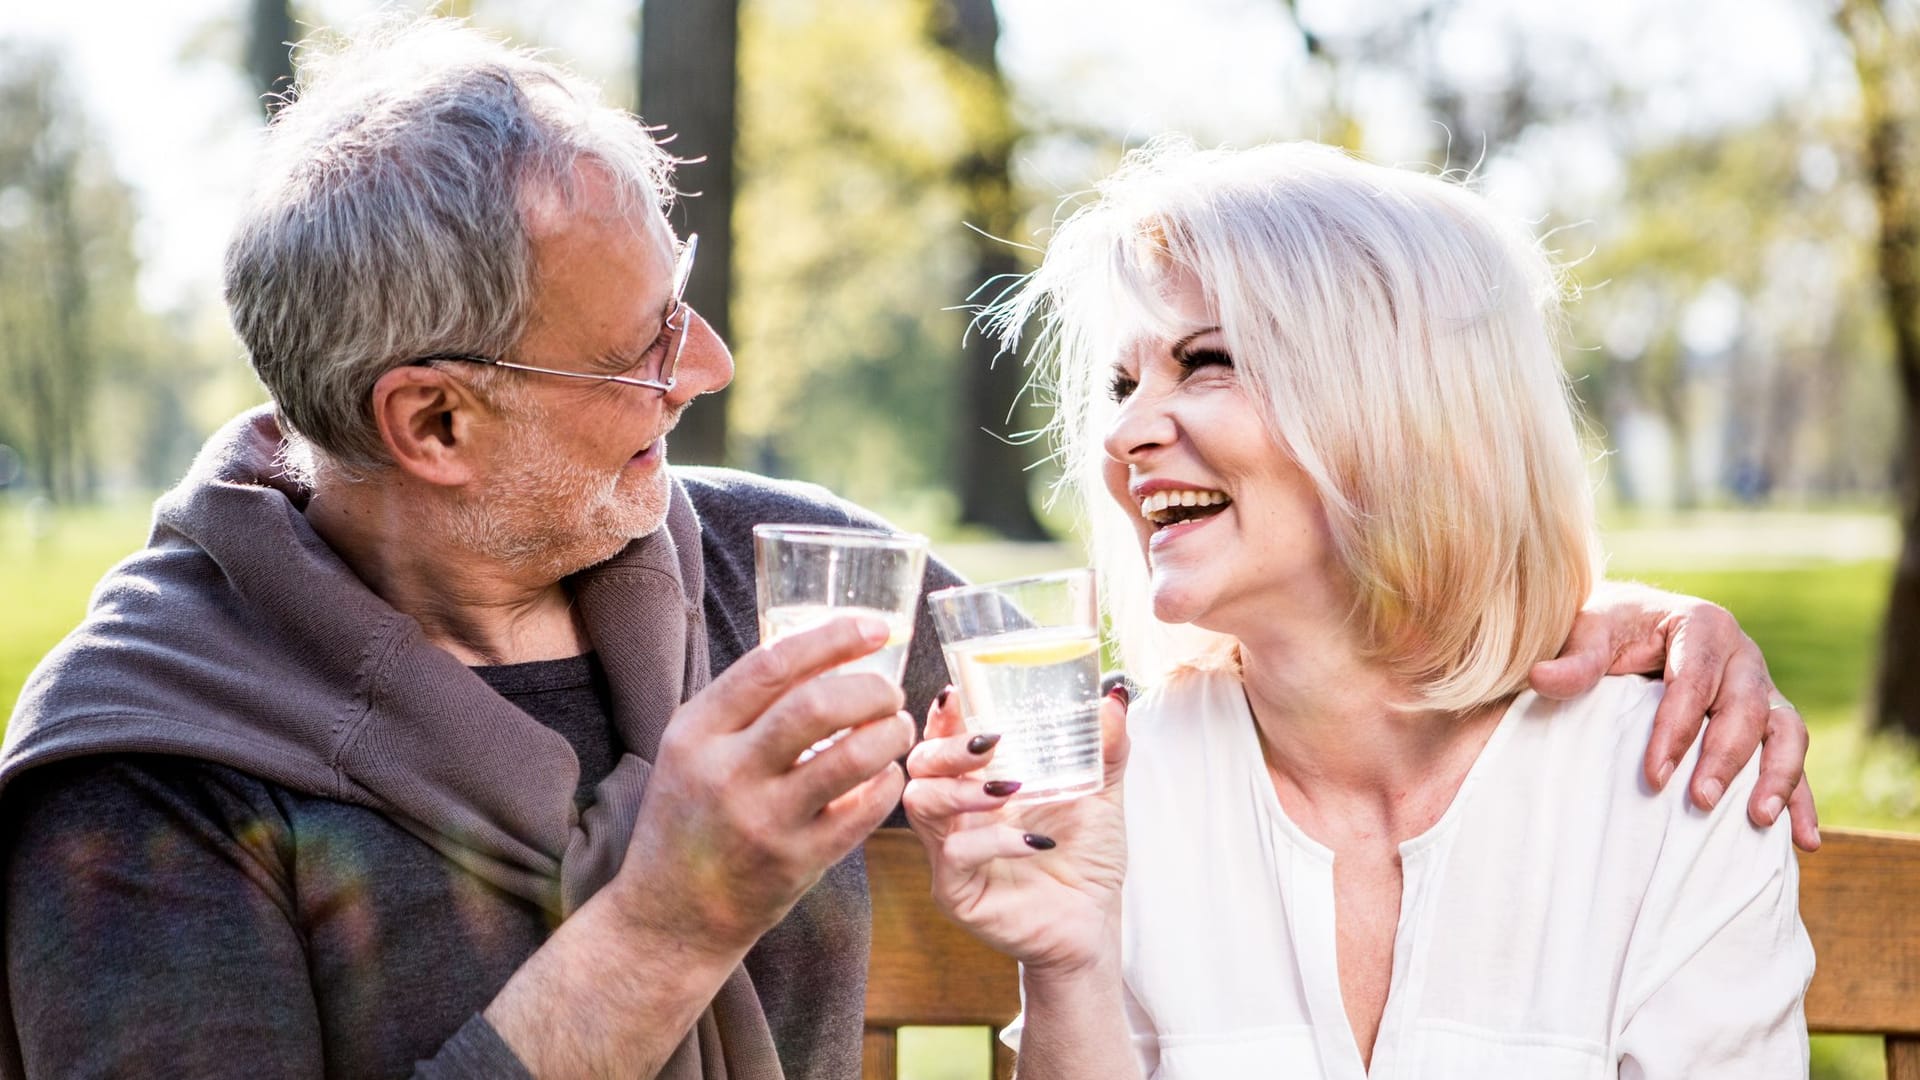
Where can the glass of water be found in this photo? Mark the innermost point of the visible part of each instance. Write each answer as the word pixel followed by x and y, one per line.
pixel 807 574
pixel 1025 656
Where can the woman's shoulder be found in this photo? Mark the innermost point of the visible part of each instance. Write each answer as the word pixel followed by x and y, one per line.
pixel 1583 761
pixel 1185 702
pixel 1193 722
pixel 1601 734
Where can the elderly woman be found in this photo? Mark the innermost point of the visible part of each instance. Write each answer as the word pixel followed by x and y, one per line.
pixel 1347 511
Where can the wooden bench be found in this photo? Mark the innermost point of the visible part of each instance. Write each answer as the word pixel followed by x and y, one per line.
pixel 1859 896
pixel 925 970
pixel 1860 899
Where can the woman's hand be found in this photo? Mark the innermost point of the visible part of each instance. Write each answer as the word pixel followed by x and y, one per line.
pixel 1038 883
pixel 1712 669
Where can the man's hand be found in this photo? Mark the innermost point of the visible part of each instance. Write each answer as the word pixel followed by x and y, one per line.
pixel 1711 668
pixel 735 827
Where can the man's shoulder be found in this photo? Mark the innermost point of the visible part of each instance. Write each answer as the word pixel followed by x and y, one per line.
pixel 141 793
pixel 139 769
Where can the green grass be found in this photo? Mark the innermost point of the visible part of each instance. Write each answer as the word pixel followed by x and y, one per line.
pixel 49 562
pixel 1818 626
pixel 1809 588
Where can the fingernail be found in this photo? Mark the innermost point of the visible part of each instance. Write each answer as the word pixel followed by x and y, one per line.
pixel 1000 788
pixel 1038 842
pixel 1771 808
pixel 1710 791
pixel 1665 773
pixel 940 701
pixel 874 630
pixel 1120 693
pixel 980 744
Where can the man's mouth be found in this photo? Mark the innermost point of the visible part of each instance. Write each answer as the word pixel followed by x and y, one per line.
pixel 1171 507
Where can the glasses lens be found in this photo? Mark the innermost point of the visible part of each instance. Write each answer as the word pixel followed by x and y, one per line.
pixel 680 316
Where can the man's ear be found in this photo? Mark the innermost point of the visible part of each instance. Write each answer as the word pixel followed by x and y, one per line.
pixel 427 421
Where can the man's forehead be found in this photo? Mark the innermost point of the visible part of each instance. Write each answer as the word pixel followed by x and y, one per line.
pixel 593 197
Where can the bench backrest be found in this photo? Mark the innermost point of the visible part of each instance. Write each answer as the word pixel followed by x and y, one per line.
pixel 1859 897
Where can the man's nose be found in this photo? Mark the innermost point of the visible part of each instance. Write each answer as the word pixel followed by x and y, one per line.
pixel 706 364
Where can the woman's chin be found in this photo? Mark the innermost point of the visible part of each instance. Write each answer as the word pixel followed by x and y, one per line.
pixel 1172 604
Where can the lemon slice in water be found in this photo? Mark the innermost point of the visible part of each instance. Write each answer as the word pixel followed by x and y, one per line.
pixel 1036 653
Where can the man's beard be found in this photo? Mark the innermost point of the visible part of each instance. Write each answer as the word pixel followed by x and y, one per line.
pixel 544 513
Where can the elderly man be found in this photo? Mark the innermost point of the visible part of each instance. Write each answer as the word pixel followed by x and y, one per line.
pixel 429 734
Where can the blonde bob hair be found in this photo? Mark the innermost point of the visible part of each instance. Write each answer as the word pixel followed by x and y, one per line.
pixel 1398 338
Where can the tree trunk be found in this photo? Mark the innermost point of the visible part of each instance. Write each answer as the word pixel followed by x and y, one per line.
pixel 1885 110
pixel 269 55
pixel 992 471
pixel 688 56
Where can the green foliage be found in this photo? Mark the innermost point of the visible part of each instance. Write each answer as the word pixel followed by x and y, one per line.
pixel 849 239
pixel 95 390
pixel 1771 220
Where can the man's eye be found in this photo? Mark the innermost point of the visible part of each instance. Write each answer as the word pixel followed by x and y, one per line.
pixel 1120 388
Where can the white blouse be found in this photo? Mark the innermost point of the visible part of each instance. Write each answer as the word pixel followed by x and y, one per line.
pixel 1559 921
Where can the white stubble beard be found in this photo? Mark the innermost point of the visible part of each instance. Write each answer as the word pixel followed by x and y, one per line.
pixel 546 514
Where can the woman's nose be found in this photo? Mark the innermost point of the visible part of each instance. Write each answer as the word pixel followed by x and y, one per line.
pixel 1142 425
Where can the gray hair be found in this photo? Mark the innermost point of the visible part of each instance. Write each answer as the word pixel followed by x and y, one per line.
pixel 390 217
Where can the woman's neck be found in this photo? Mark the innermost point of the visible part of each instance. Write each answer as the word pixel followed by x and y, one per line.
pixel 1346 763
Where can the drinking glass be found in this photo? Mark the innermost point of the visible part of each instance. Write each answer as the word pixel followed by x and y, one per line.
pixel 807 574
pixel 1025 657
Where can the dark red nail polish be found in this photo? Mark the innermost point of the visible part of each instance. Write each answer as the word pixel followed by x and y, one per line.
pixel 1038 842
pixel 998 788
pixel 1121 694
pixel 940 702
pixel 980 744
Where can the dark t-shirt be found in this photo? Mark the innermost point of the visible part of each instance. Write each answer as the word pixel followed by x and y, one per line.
pixel 171 916
pixel 571 697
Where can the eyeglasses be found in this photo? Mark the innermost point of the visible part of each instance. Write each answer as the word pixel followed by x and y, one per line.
pixel 656 366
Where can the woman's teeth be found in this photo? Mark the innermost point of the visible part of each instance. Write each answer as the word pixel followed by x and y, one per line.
pixel 1168 507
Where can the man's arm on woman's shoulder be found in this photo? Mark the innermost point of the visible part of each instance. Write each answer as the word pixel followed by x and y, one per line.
pixel 1714 672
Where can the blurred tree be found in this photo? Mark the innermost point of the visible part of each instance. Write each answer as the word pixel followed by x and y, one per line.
pixel 688 60
pixel 54 207
pixel 1719 295
pixel 849 242
pixel 1886 49
pixel 990 461
pixel 270 37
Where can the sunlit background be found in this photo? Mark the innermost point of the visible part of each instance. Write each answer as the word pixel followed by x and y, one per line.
pixel 1725 181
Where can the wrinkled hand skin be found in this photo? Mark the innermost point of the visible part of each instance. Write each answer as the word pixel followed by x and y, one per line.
pixel 734 827
pixel 1053 905
pixel 1715 677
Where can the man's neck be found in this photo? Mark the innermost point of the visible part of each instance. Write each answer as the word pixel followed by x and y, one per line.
pixel 475 607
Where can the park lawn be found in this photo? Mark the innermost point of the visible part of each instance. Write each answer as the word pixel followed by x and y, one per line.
pixel 1819 626
pixel 49 562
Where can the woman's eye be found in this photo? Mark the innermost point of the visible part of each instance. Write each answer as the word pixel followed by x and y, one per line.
pixel 1121 387
pixel 1194 359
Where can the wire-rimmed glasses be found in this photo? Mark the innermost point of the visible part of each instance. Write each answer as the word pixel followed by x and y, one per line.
pixel 661 378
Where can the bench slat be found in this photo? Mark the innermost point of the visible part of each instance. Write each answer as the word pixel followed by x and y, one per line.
pixel 1860 899
pixel 925 969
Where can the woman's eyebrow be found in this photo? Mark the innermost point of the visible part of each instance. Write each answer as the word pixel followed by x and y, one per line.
pixel 1180 346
